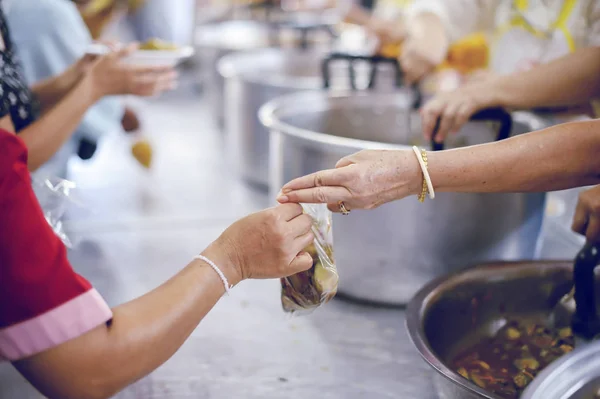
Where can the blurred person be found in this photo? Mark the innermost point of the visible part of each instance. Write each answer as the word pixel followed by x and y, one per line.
pixel 47 114
pixel 50 36
pixel 60 334
pixel 522 33
pixel 561 157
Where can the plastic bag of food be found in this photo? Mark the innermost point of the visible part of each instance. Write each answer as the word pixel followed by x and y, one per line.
pixel 54 195
pixel 306 291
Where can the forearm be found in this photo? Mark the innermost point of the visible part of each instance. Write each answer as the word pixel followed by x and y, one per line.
pixel 561 157
pixel 50 91
pixel 570 80
pixel 143 334
pixel 45 136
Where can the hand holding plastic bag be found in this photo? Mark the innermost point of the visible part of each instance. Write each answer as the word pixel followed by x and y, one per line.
pixel 306 291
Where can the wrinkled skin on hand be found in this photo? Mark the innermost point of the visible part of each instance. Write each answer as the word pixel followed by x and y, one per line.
pixel 269 244
pixel 587 215
pixel 364 180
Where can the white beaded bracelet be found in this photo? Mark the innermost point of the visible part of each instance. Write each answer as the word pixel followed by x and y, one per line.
pixel 425 172
pixel 226 284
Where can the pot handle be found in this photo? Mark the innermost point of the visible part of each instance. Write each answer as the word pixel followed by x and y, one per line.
pixel 491 114
pixel 374 60
pixel 586 322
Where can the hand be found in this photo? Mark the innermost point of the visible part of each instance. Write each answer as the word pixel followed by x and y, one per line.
pixel 388 32
pixel 267 244
pixel 364 180
pixel 109 75
pixel 587 215
pixel 454 109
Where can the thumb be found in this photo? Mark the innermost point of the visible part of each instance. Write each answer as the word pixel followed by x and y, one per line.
pixel 343 163
pixel 302 262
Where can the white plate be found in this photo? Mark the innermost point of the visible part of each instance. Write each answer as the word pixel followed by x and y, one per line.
pixel 148 57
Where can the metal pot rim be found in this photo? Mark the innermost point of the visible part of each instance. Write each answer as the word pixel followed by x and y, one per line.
pixel 268 117
pixel 417 307
pixel 229 66
pixel 587 360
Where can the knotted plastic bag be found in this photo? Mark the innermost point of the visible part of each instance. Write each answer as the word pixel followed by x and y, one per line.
pixel 306 291
pixel 54 195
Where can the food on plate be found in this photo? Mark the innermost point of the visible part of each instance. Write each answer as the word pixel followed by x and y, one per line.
pixel 158 44
pixel 142 152
pixel 507 362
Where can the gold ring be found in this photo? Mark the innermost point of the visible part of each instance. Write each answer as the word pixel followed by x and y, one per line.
pixel 343 209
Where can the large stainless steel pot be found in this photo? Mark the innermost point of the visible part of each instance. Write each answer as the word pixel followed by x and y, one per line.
pixel 213 41
pixel 453 312
pixel 253 78
pixel 385 255
pixel 574 376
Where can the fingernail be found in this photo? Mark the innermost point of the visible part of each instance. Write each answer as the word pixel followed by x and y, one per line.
pixel 282 198
pixel 286 190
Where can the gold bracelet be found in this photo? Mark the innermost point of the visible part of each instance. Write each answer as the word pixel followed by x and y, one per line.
pixel 427 185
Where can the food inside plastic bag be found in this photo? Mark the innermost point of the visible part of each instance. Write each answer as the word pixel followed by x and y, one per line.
pixel 306 291
pixel 54 195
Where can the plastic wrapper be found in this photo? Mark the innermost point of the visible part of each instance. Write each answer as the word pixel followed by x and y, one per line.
pixel 306 291
pixel 55 195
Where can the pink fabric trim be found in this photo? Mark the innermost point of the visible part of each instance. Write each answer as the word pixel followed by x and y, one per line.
pixel 59 325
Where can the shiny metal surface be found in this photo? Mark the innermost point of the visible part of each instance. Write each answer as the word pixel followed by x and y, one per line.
pixel 442 320
pixel 215 40
pixel 574 376
pixel 405 243
pixel 253 78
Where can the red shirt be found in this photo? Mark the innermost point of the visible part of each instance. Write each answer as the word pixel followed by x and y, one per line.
pixel 43 302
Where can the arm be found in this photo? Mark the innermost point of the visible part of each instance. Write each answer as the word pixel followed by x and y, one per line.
pixel 570 80
pixel 75 331
pixel 143 334
pixel 45 136
pixel 52 90
pixel 560 157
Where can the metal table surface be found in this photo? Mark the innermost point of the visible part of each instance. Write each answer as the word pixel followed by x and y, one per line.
pixel 137 228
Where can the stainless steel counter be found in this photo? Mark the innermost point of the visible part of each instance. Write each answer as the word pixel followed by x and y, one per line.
pixel 136 229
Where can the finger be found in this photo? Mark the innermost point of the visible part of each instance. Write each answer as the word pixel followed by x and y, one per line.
pixel 346 161
pixel 300 225
pixel 288 211
pixel 302 242
pixel 317 195
pixel 430 115
pixel 580 219
pixel 446 122
pixel 592 233
pixel 463 114
pixel 301 263
pixel 330 177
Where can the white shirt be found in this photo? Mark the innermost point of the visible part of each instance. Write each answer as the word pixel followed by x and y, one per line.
pixel 463 17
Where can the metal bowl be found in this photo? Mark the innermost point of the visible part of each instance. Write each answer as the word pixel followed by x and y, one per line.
pixel 403 244
pixel 451 313
pixel 442 320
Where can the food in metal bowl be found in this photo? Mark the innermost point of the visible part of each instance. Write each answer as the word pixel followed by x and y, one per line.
pixel 507 362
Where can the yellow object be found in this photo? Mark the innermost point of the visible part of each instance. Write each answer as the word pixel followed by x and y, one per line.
pixel 559 24
pixel 142 152
pixel 391 50
pixel 157 44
